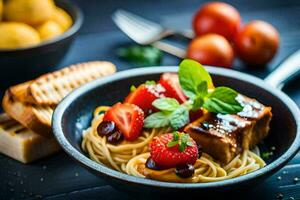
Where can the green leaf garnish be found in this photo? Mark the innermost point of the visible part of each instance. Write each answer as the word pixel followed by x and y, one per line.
pixel 195 81
pixel 141 55
pixel 265 155
pixel 181 139
pixel 179 118
pixel 150 82
pixel 191 74
pixel 132 88
pixel 223 100
pixel 202 89
pixel 172 144
pixel 175 135
pixel 157 120
pixel 166 104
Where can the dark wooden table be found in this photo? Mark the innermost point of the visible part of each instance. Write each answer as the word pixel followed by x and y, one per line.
pixel 58 177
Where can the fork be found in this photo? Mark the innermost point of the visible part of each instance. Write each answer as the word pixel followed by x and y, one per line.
pixel 145 32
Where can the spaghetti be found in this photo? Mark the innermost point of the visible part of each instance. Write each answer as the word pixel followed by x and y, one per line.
pixel 130 157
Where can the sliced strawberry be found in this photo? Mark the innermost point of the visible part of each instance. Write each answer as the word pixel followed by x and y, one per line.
pixel 168 157
pixel 129 118
pixel 170 82
pixel 144 95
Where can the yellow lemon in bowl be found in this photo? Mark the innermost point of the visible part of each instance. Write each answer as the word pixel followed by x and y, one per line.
pixel 61 17
pixel 50 29
pixel 15 35
pixel 32 12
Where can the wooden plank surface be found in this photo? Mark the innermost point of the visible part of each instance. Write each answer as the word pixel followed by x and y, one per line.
pixel 58 177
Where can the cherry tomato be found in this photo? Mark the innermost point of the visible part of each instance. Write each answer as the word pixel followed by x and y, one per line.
pixel 217 17
pixel 257 42
pixel 211 49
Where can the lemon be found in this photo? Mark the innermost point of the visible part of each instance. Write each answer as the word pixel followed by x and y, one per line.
pixel 49 30
pixel 62 18
pixel 17 35
pixel 32 12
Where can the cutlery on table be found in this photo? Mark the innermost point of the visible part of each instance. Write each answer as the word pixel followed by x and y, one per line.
pixel 145 32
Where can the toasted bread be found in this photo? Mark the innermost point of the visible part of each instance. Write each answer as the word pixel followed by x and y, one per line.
pixel 24 145
pixel 51 88
pixel 33 117
pixel 20 91
pixel 32 103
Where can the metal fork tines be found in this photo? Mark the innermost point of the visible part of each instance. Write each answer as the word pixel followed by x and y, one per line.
pixel 145 32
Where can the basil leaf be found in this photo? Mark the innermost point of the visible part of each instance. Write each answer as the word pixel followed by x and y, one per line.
pixel 225 94
pixel 179 118
pixel 191 74
pixel 202 89
pixel 141 55
pixel 202 92
pixel 166 104
pixel 218 106
pixel 223 100
pixel 157 120
pixel 198 102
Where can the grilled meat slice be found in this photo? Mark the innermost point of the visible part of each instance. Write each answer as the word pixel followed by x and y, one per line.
pixel 225 136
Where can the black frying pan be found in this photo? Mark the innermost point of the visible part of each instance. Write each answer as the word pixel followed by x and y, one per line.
pixel 74 114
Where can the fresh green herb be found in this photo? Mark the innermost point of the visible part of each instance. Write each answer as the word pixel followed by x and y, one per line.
pixel 176 135
pixel 179 117
pixel 181 139
pixel 265 155
pixel 223 100
pixel 171 114
pixel 150 83
pixel 191 74
pixel 166 104
pixel 132 88
pixel 195 82
pixel 157 120
pixel 141 55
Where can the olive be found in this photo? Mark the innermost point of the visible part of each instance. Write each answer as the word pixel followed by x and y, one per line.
pixel 199 150
pixel 106 128
pixel 151 164
pixel 185 171
pixel 115 137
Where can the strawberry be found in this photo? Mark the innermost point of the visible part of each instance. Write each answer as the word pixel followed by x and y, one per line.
pixel 171 150
pixel 144 95
pixel 129 118
pixel 170 82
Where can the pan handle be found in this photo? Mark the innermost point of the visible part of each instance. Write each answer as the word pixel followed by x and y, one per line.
pixel 285 71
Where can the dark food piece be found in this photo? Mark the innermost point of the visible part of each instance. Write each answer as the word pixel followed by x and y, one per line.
pixel 185 171
pixel 115 137
pixel 199 150
pixel 225 136
pixel 106 128
pixel 152 165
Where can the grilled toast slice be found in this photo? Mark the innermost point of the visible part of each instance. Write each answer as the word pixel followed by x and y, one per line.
pixel 24 145
pixel 33 117
pixel 51 88
pixel 225 136
pixel 32 103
